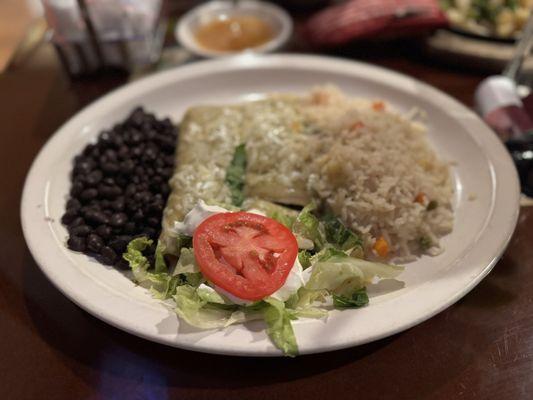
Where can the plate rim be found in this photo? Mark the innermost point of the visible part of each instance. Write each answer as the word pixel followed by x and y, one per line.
pixel 497 150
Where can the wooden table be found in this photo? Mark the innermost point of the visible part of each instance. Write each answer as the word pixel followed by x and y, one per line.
pixel 480 348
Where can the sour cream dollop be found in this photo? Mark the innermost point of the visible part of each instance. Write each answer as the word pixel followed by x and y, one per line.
pixel 195 217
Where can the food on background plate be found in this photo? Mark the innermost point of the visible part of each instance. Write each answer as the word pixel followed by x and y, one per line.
pixel 288 207
pixel 498 18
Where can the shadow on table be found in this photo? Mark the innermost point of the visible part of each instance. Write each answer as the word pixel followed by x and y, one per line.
pixel 90 344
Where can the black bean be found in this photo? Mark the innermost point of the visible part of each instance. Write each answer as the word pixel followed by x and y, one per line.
pixel 151 232
pixel 110 155
pixel 149 171
pixel 104 137
pixel 129 227
pixel 159 162
pixel 73 204
pixel 94 242
pixel 131 189
pixel 96 217
pixel 94 177
pixel 108 180
pixel 123 152
pixel 118 204
pixel 137 116
pixel 119 243
pixel 122 264
pixel 122 180
pixel 110 167
pixel 95 153
pixel 76 243
pixel 104 203
pixel 153 222
pixel 117 141
pixel 131 206
pixel 69 216
pixel 127 166
pixel 136 152
pixel 169 160
pixel 118 220
pixel 154 208
pixel 136 137
pixel 84 166
pixel 88 194
pixel 109 192
pixel 167 123
pixel 103 231
pixel 76 222
pixel 151 152
pixel 80 230
pixel 108 255
pixel 76 188
pixel 138 216
pixel 142 187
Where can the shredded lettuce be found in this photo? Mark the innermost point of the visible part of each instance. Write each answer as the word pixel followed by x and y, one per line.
pixel 279 328
pixel 308 226
pixel 326 253
pixel 283 215
pixel 283 218
pixel 209 295
pixel 197 311
pixel 160 264
pixel 204 308
pixel 359 298
pixel 235 175
pixel 340 236
pixel 139 264
pixel 182 241
pixel 342 275
pixel 188 268
pixel 161 284
pixel 332 271
pixel 304 257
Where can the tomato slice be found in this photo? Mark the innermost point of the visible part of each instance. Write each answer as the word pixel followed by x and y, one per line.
pixel 248 255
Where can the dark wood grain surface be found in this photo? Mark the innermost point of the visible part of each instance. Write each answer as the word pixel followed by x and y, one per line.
pixel 480 348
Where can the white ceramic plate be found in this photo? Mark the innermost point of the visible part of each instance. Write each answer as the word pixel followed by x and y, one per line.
pixel 483 225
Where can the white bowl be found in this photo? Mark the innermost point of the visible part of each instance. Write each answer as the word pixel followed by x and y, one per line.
pixel 275 16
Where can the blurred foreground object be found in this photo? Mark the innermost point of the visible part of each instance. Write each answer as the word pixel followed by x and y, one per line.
pixel 90 35
pixel 358 19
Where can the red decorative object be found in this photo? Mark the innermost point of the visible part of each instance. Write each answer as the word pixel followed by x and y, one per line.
pixel 358 19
